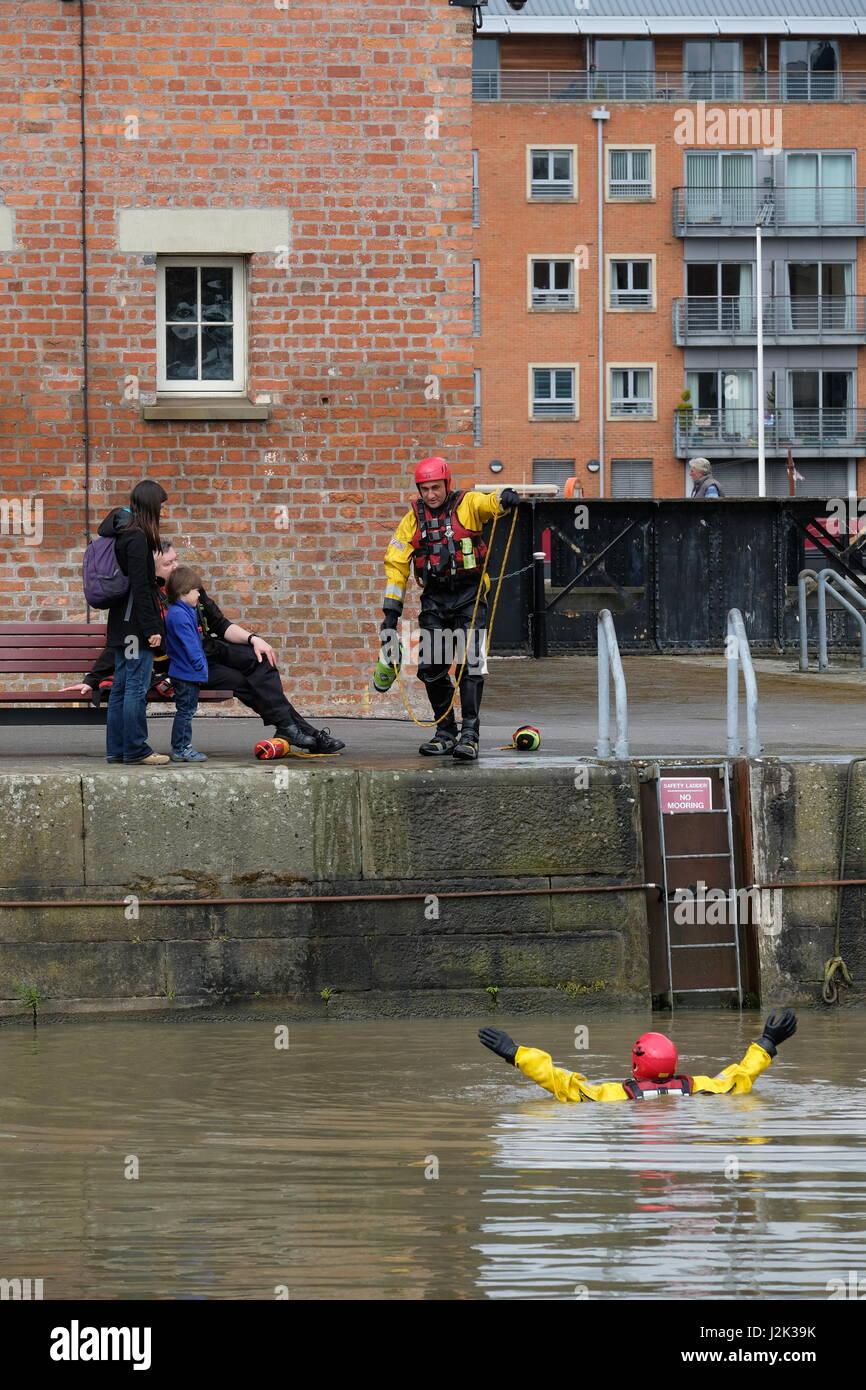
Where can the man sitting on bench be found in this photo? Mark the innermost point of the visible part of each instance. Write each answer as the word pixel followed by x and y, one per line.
pixel 239 661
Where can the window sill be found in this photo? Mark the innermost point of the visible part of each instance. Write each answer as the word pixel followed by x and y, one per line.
pixel 205 408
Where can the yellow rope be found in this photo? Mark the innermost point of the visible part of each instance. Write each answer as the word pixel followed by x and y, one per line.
pixel 432 723
pixel 830 990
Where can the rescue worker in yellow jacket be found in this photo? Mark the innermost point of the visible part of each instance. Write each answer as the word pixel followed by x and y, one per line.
pixel 441 538
pixel 654 1062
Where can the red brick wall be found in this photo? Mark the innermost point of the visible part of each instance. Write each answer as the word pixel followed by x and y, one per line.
pixel 320 109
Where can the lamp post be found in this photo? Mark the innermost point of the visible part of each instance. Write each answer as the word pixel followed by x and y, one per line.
pixel 600 114
pixel 761 219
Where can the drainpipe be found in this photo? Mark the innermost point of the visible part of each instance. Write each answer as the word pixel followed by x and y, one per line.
pixel 600 114
pixel 85 365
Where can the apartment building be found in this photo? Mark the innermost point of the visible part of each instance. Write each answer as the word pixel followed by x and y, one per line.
pixel 655 182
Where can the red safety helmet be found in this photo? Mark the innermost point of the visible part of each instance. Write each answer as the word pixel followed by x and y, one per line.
pixel 653 1058
pixel 432 470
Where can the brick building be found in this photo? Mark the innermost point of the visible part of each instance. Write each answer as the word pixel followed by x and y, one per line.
pixel 693 118
pixel 276 316
pixel 276 298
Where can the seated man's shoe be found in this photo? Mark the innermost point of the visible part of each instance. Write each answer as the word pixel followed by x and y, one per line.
pixel 325 743
pixel 292 734
pixel 442 741
pixel 466 747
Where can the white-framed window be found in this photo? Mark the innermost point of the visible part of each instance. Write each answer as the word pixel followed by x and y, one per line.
pixel 201 325
pixel 476 406
pixel 631 390
pixel 553 392
pixel 630 282
pixel 476 298
pixel 630 173
pixel 551 171
pixel 557 471
pixel 552 282
pixel 631 477
pixel 476 192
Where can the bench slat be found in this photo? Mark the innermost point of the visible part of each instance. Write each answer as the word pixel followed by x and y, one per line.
pixel 22 641
pixel 57 663
pixel 95 630
pixel 44 697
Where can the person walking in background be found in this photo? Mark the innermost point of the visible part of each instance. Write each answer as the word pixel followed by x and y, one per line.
pixel 703 483
pixel 135 625
pixel 187 663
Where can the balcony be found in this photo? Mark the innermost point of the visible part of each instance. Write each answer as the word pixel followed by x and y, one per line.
pixel 831 431
pixel 804 320
pixel 810 211
pixel 536 84
pixel 553 299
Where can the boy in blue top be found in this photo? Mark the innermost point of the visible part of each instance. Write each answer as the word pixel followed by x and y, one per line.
pixel 187 662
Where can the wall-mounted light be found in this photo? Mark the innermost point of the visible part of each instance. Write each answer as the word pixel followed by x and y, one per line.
pixel 593 466
pixel 475 7
pixel 495 466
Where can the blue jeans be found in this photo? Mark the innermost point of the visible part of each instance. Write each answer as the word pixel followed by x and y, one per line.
pixel 186 702
pixel 126 731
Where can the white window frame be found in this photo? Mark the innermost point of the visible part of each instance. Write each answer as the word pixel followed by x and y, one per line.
pixel 573 367
pixel 575 283
pixel 630 256
pixel 610 197
pixel 235 388
pixel 477 421
pixel 651 367
pixel 551 197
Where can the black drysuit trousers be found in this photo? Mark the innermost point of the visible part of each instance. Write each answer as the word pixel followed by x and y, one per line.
pixel 233 666
pixel 444 620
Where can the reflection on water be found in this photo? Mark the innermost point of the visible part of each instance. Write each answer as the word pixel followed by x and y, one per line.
pixel 313 1168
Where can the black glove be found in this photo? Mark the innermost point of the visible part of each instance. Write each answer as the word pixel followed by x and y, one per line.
pixel 390 620
pixel 509 498
pixel 776 1030
pixel 498 1042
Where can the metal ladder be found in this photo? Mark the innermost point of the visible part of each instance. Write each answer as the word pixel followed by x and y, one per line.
pixel 682 970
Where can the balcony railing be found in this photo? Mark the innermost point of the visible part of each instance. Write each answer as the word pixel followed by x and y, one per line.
pixel 705 320
pixel 531 84
pixel 712 211
pixel 839 429
pixel 553 299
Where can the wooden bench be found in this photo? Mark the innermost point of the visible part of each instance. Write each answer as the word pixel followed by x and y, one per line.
pixel 71 648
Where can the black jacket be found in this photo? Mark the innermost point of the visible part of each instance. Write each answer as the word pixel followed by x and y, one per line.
pixel 213 625
pixel 135 558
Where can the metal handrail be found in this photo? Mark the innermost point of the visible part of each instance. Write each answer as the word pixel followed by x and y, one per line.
pixel 609 662
pixel 825 578
pixel 803 578
pixel 788 316
pixel 738 655
pixel 533 84
pixel 717 207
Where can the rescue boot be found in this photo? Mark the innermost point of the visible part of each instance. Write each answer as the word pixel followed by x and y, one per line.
pixel 466 747
pixel 443 740
pixel 292 734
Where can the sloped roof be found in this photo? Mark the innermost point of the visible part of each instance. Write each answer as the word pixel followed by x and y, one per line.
pixel 641 17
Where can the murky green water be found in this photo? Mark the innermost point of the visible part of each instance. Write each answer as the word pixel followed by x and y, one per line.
pixel 312 1169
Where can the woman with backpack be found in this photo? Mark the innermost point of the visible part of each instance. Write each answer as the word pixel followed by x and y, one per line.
pixel 135 623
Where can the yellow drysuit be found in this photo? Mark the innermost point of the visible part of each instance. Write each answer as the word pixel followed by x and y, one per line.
pixel 570 1085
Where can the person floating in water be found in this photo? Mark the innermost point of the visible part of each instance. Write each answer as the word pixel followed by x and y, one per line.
pixel 654 1061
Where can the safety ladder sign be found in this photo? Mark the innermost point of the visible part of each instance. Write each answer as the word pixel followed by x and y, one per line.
pixel 701 902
